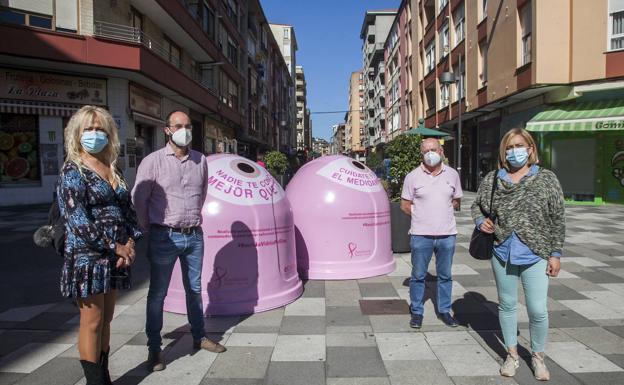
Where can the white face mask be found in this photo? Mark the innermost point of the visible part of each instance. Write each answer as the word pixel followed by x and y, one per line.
pixel 432 158
pixel 182 137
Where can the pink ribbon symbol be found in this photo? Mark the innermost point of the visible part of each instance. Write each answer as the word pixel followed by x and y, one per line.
pixel 352 246
pixel 217 279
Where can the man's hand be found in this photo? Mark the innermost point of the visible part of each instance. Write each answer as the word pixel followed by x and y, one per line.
pixel 554 265
pixel 406 206
pixel 487 226
pixel 456 204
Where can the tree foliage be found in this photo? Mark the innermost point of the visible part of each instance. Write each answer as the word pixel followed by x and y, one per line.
pixel 404 154
pixel 276 162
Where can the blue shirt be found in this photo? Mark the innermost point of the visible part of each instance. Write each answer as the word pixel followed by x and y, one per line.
pixel 513 250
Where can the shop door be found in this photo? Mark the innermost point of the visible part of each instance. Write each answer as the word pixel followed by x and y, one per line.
pixel 574 163
pixel 144 141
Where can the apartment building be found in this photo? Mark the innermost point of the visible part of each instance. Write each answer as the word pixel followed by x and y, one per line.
pixel 554 67
pixel 354 119
pixel 303 116
pixel 285 36
pixel 320 147
pixel 270 87
pixel 140 60
pixel 307 129
pixel 375 28
pixel 338 142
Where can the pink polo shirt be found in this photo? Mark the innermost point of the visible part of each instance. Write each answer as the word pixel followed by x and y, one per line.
pixel 432 200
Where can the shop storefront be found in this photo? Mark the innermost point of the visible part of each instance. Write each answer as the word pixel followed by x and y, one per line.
pixel 147 113
pixel 583 143
pixel 219 138
pixel 34 109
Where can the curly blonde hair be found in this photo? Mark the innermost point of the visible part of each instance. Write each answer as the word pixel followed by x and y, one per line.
pixel 82 118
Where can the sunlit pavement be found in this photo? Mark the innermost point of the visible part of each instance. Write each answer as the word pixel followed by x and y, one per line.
pixel 323 338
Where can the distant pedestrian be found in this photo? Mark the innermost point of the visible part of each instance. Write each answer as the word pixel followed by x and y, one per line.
pixel 169 193
pixel 101 231
pixel 430 194
pixel 529 232
pixel 260 160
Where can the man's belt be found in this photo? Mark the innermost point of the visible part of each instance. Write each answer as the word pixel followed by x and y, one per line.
pixel 181 230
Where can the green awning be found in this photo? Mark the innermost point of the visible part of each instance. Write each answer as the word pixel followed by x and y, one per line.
pixel 600 115
pixel 423 131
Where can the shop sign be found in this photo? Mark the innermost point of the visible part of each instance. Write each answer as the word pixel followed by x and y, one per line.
pixel 144 101
pixel 48 87
pixel 609 125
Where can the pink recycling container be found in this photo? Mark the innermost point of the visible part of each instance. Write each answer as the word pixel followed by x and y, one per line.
pixel 342 220
pixel 249 242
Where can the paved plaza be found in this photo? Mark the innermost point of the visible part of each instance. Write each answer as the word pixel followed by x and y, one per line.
pixel 324 337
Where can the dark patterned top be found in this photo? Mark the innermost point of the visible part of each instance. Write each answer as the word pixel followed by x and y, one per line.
pixel 96 218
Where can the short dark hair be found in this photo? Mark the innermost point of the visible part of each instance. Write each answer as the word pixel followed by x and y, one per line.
pixel 168 118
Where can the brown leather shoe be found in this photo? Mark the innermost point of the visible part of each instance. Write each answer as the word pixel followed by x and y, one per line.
pixel 206 344
pixel 155 362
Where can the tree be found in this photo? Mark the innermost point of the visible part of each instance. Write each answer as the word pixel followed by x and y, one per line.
pixel 276 163
pixel 404 154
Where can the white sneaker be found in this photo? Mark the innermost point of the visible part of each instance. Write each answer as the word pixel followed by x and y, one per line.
pixel 508 369
pixel 540 371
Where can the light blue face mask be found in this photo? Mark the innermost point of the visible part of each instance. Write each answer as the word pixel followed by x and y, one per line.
pixel 94 141
pixel 517 157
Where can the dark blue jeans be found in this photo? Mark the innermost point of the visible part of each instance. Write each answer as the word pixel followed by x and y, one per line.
pixel 165 248
pixel 423 248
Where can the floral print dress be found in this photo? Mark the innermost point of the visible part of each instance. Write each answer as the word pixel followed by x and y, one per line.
pixel 96 218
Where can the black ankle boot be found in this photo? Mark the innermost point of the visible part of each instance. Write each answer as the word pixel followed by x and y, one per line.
pixel 106 380
pixel 92 372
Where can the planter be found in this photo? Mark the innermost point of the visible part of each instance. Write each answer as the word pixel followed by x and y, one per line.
pixel 400 225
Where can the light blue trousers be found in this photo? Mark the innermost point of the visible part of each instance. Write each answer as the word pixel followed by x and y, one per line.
pixel 535 285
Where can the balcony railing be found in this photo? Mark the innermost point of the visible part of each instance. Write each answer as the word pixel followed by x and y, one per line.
pixel 130 34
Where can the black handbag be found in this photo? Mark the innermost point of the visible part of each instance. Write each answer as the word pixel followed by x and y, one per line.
pixel 482 244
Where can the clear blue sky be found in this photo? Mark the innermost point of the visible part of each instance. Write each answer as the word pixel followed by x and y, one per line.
pixel 328 36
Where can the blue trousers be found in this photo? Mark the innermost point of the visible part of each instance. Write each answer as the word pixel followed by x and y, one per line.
pixel 423 248
pixel 165 248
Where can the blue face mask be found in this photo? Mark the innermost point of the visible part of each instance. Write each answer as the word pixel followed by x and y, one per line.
pixel 94 141
pixel 517 157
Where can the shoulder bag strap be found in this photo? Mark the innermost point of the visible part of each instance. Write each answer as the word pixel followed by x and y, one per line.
pixel 494 183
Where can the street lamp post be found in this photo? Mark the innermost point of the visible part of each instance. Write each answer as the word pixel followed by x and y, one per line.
pixel 449 78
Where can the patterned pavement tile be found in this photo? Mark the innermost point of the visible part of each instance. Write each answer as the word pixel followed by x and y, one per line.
pixel 303 325
pixel 345 316
pixel 299 348
pixel 306 307
pixel 30 357
pixel 358 381
pixel 453 358
pixel 296 373
pixel 240 362
pixel 575 357
pixel 252 339
pixel 591 309
pixel 350 339
pixel 429 372
pixel 403 347
pixel 354 361
pixel 378 290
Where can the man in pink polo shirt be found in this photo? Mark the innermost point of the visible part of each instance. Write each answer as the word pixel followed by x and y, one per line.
pixel 430 194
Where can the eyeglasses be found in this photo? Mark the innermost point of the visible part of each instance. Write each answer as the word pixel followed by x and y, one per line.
pixel 179 126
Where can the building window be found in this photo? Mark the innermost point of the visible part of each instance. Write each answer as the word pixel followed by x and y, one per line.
pixel 483 62
pixel 525 30
pixel 208 21
pixel 286 33
pixel 443 4
pixel 616 25
pixel 14 16
pixel 19 149
pixel 444 95
pixel 232 54
pixel 444 40
pixel 482 9
pixel 171 52
pixel 458 20
pixel 430 57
